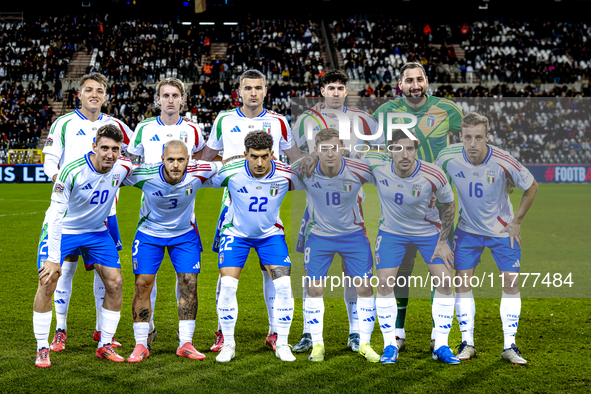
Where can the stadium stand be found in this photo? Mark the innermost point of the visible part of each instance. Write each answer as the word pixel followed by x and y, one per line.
pixel 491 59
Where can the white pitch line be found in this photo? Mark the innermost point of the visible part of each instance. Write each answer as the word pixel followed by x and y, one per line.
pixel 17 214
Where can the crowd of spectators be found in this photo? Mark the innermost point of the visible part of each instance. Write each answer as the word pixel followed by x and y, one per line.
pixel 24 112
pixel 508 51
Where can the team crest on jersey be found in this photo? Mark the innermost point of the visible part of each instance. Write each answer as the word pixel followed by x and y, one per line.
pixel 135 263
pixel 377 259
pixel 347 185
pixel 59 189
pixel 490 176
pixel 274 189
pixel 267 127
pixel 49 142
pixel 416 190
pixel 184 137
pixel 188 190
pixel 430 120
pixel 115 179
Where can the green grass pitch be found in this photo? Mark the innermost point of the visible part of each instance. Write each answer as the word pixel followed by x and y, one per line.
pixel 554 333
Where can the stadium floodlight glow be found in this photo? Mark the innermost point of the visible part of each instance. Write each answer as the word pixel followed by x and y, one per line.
pixel 230 23
pixel 187 23
pixel 206 23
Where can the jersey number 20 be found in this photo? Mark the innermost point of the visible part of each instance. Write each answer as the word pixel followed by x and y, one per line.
pixel 95 197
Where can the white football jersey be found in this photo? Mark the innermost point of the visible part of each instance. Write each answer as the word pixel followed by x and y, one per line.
pixel 254 207
pixel 405 201
pixel 71 135
pixel 334 204
pixel 88 196
pixel 151 134
pixel 484 206
pixel 367 126
pixel 167 210
pixel 230 128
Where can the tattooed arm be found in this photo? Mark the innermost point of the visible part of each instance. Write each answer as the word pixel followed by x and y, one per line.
pixel 442 249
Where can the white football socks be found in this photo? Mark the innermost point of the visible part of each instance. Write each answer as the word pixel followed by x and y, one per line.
pixel 387 310
pixel 99 296
pixel 269 293
pixel 109 322
pixel 217 297
pixel 228 308
pixel 153 302
pixel 442 311
pixel 350 296
pixel 140 332
pixel 314 317
pixel 41 326
pixel 63 293
pixel 304 296
pixel 283 308
pixel 510 310
pixel 465 312
pixel 186 330
pixel 366 310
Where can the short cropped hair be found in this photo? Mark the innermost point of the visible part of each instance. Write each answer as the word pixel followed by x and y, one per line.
pixel 258 140
pixel 100 78
pixel 327 135
pixel 332 76
pixel 175 144
pixel 410 66
pixel 174 82
pixel 474 119
pixel 109 131
pixel 401 135
pixel 253 74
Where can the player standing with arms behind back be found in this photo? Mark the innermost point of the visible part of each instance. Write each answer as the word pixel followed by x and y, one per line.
pixel 480 173
pixel 438 119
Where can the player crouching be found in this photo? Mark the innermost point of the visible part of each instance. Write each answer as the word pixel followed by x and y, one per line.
pixel 85 189
pixel 257 187
pixel 405 186
pixel 166 222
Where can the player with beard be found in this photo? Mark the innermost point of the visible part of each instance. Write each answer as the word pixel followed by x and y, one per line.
pixel 438 119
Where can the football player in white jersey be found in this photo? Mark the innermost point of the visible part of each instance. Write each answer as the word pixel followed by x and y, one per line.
pixel 70 137
pixel 149 138
pixel 228 133
pixel 336 227
pixel 166 221
pixel 481 173
pixel 80 203
pixel 257 187
pixel 405 187
pixel 333 87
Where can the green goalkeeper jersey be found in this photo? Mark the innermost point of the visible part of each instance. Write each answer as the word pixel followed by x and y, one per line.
pixel 434 119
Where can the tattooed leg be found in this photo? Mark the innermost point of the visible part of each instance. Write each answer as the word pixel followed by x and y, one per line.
pixel 188 302
pixel 141 306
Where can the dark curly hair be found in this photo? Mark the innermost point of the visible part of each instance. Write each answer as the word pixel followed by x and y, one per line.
pixel 258 140
pixel 332 76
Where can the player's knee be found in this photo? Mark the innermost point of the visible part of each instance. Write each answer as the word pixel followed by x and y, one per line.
pixel 283 287
pixel 144 283
pixel 46 290
pixel 228 288
pixel 114 284
pixel 315 289
pixel 365 291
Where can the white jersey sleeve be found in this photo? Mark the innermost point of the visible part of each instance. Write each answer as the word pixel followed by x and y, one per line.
pixel 215 140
